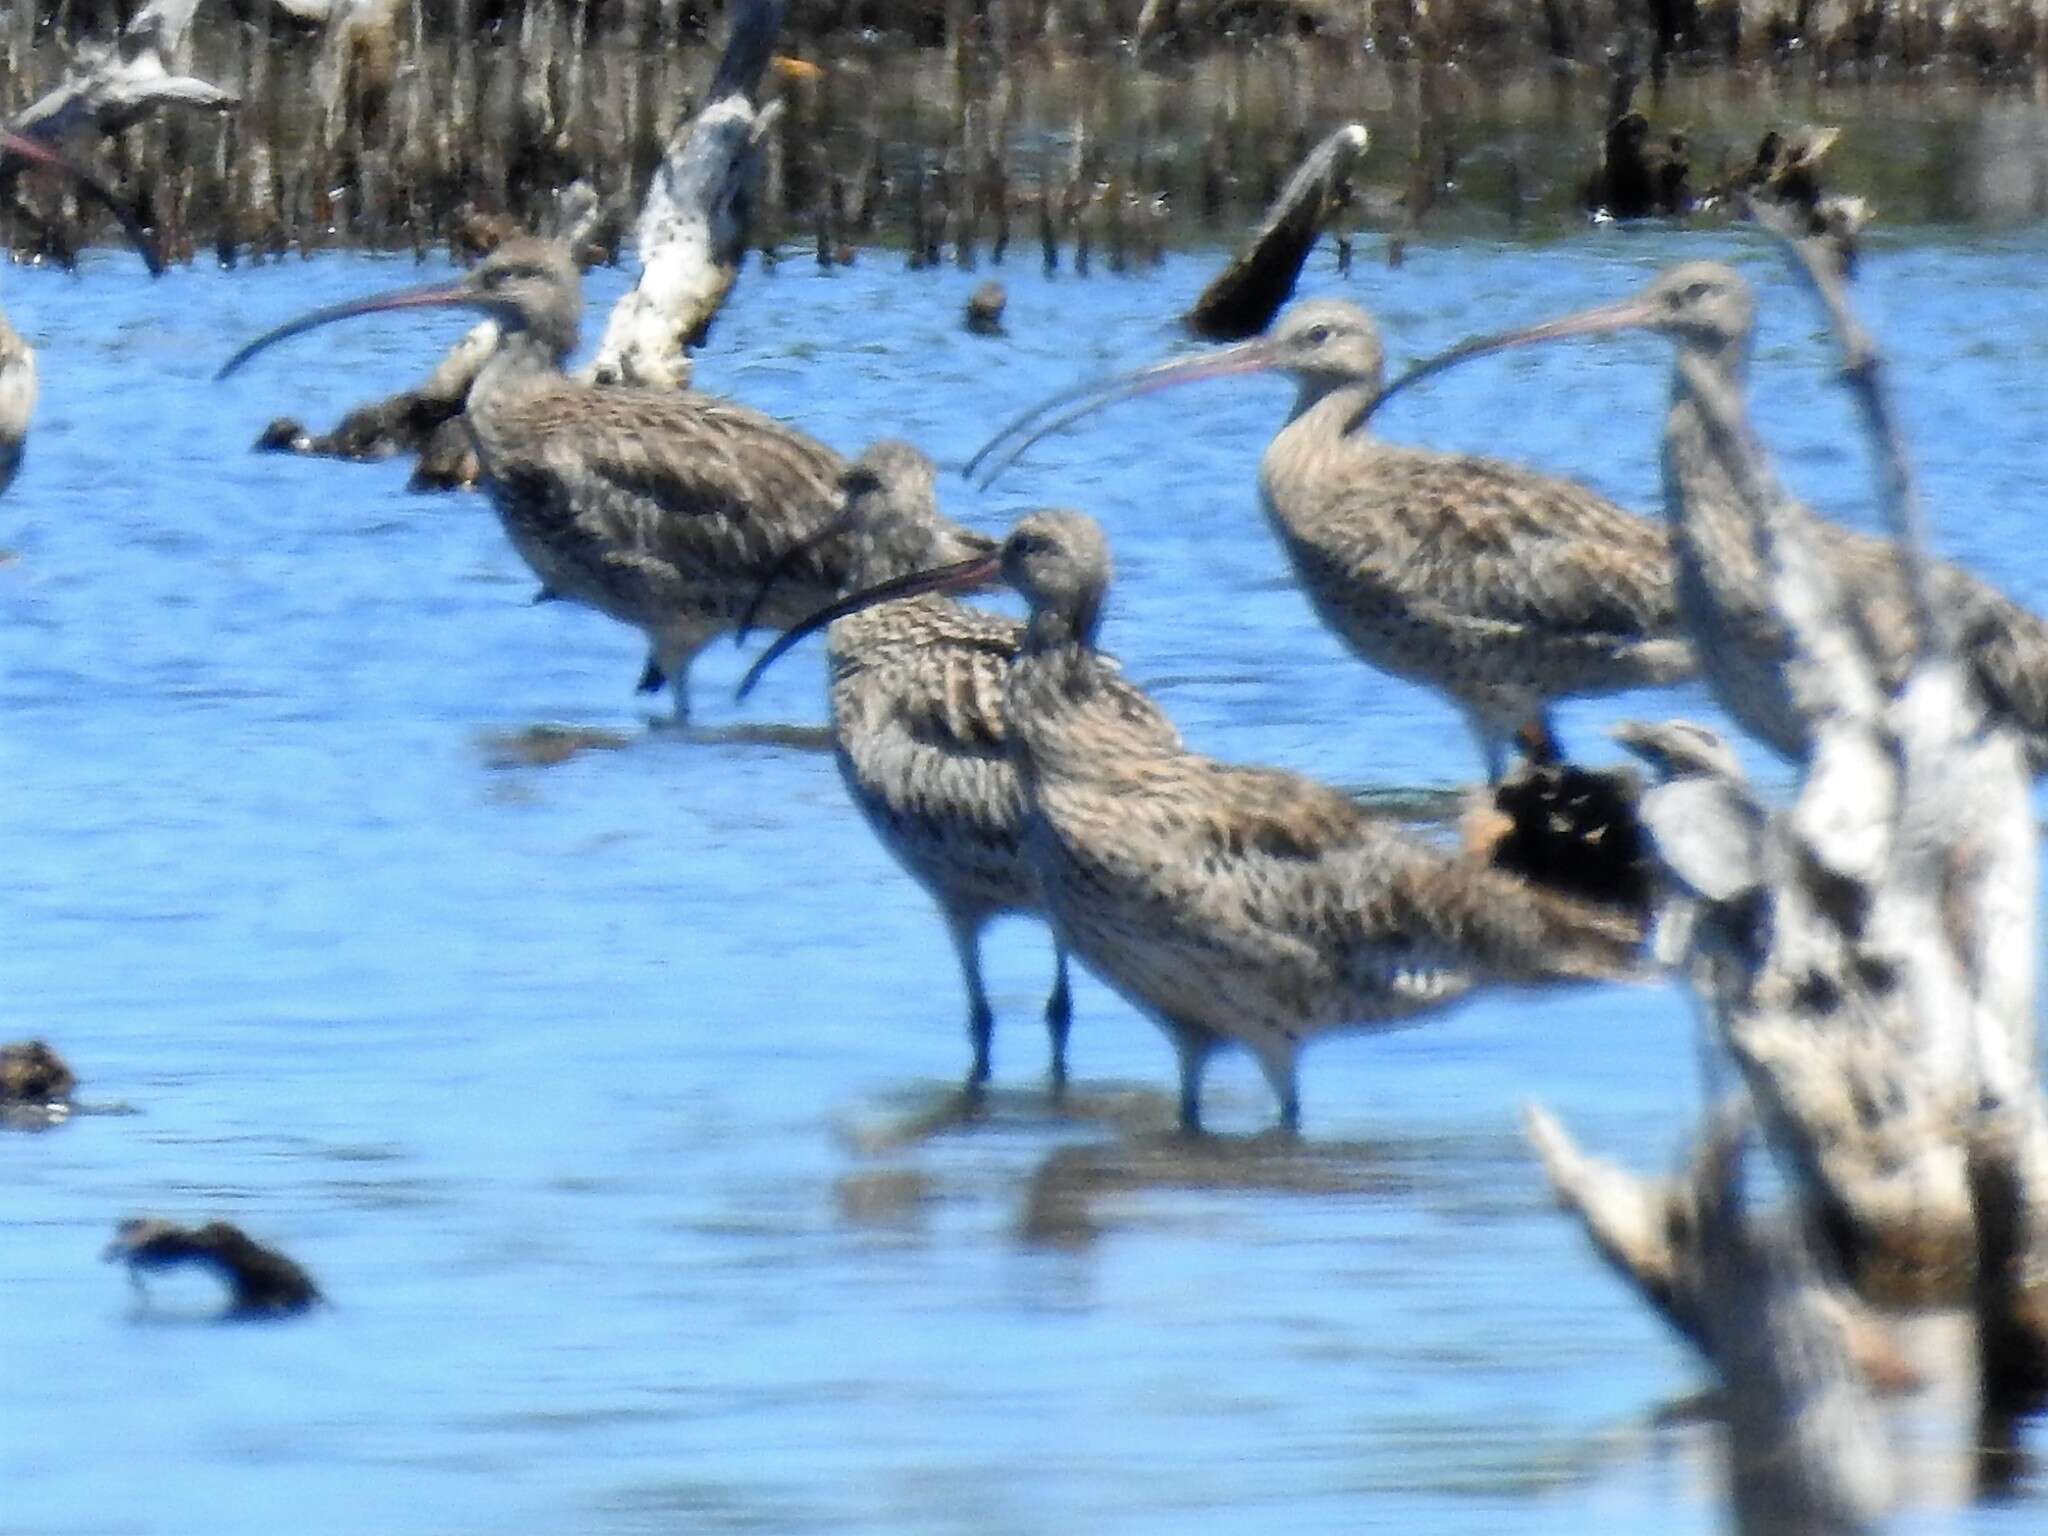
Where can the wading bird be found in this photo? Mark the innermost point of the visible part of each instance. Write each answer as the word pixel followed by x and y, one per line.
pixel 663 511
pixel 1709 313
pixel 1228 903
pixel 918 724
pixel 1499 587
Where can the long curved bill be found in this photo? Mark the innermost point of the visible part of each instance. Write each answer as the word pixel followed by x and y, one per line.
pixel 34 152
pixel 1070 405
pixel 1627 315
pixel 961 576
pixel 427 295
pixel 791 559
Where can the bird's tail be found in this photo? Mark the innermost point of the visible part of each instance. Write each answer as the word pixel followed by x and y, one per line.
pixel 1516 930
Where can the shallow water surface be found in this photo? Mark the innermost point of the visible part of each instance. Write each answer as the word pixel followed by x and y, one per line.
pixel 590 1090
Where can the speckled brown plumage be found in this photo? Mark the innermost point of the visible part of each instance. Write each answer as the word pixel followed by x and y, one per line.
pixel 1242 904
pixel 1497 586
pixel 663 511
pixel 919 731
pixel 1708 311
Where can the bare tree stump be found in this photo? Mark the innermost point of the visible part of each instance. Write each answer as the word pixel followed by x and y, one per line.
pixel 1248 293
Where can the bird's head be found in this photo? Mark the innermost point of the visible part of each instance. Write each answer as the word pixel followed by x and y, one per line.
pixel 529 286
pixel 1703 306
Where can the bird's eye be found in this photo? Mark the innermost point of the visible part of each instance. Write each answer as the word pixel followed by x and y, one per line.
pixel 1316 335
pixel 1698 292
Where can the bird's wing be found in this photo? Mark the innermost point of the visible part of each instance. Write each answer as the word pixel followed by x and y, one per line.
pixel 937 757
pixel 685 481
pixel 949 698
pixel 1471 542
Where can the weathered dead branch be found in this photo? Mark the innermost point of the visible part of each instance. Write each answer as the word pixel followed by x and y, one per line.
pixel 1247 294
pixel 693 227
pixel 1866 957
pixel 692 237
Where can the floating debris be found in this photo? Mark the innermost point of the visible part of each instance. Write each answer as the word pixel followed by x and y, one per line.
pixel 985 309
pixel 262 1281
pixel 546 746
pixel 35 1086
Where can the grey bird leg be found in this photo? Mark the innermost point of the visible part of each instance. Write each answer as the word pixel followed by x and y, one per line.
pixel 1059 1017
pixel 1194 1045
pixel 981 1020
pixel 1279 1061
pixel 652 679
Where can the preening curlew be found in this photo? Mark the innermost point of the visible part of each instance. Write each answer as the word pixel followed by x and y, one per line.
pixel 1228 903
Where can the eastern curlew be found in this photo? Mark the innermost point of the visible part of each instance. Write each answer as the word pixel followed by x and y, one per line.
pixel 1228 903
pixel 1500 587
pixel 663 511
pixel 1709 313
pixel 918 725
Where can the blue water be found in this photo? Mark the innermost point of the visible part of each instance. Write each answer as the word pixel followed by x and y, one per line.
pixel 566 1082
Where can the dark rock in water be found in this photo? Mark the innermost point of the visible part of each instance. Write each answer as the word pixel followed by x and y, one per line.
pixel 404 423
pixel 1572 829
pixel 262 1281
pixel 448 462
pixel 33 1074
pixel 985 309
pixel 285 435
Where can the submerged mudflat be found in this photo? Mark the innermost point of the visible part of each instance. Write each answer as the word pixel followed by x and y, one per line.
pixel 601 1073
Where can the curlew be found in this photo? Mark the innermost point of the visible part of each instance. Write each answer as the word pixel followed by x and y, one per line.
pixel 1709 313
pixel 1499 587
pixel 918 726
pixel 1232 903
pixel 663 511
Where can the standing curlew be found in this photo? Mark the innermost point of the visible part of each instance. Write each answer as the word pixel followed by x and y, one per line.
pixel 1708 311
pixel 662 511
pixel 918 725
pixel 1497 586
pixel 1228 903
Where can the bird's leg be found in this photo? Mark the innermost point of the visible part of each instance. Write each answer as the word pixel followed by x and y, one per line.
pixel 1194 1045
pixel 981 1020
pixel 1493 744
pixel 1059 1017
pixel 668 661
pixel 1278 1060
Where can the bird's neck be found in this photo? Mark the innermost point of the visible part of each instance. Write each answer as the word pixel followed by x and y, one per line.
pixel 520 357
pixel 1053 632
pixel 1327 400
pixel 1072 717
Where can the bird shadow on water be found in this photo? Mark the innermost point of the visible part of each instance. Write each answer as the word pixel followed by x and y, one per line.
pixel 549 744
pixel 1078 1191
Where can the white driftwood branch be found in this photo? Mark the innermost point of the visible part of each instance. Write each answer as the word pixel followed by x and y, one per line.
pixel 693 227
